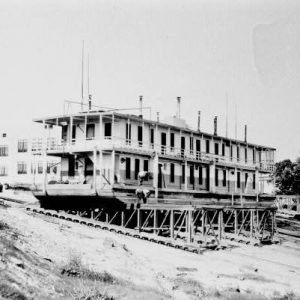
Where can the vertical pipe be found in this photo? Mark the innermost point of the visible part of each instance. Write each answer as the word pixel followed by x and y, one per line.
pixel 245 133
pixel 215 125
pixel 141 106
pixel 94 168
pixel 199 119
pixel 82 75
pixel 178 107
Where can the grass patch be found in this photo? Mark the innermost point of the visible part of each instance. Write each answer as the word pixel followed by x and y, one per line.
pixel 9 292
pixel 3 225
pixel 75 268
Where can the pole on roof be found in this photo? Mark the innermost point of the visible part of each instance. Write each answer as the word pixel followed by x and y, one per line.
pixel 82 75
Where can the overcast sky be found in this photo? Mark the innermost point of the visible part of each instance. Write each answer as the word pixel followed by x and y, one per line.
pixel 199 50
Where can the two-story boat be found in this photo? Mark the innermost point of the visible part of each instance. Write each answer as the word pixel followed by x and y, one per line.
pixel 103 153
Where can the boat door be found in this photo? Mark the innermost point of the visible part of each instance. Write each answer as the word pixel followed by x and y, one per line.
pixel 159 184
pixel 71 171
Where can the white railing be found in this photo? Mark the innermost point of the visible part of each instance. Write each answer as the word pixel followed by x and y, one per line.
pixel 55 145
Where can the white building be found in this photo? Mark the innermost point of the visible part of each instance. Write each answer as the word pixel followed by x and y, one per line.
pixel 20 165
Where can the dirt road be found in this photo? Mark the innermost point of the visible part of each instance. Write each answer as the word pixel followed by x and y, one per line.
pixel 44 246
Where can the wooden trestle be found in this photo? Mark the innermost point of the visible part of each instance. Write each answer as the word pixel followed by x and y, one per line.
pixel 194 225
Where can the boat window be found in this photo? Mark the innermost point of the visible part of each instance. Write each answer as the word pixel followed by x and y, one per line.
pixel 216 177
pixel 128 133
pixel 207 146
pixel 223 149
pixel 172 173
pixel 182 173
pixel 107 130
pixel 127 168
pixel 200 175
pixel 192 179
pixel 140 135
pixel 136 168
pixel 238 180
pixel 224 178
pixel 90 131
pixel 172 141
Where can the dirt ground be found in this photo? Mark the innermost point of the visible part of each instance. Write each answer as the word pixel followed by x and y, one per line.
pixel 46 258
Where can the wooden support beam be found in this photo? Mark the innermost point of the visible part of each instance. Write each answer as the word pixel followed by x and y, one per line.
pixel 139 219
pixel 171 224
pixel 155 226
pixel 122 218
pixel 235 221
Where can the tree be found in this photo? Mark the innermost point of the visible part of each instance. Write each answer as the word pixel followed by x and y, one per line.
pixel 287 177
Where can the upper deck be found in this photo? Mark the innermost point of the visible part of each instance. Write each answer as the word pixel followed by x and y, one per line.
pixel 108 130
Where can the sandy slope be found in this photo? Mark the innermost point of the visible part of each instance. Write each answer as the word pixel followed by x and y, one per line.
pixel 150 271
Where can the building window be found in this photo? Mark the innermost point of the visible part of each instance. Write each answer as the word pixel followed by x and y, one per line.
pixel 22 167
pixel 140 136
pixel 207 146
pixel 216 177
pixel 238 153
pixel 107 130
pixel 254 156
pixel 224 178
pixel 136 168
pixel 191 145
pixel 200 175
pixel 3 171
pixel 152 137
pixel 3 150
pixel 231 152
pixel 246 155
pixel 192 176
pixel 22 145
pixel 253 182
pixel 172 173
pixel 182 174
pixel 172 141
pixel 238 180
pixel 223 149
pixel 90 131
pixel 128 133
pixel 128 168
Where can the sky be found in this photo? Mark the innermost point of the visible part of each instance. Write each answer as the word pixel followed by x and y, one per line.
pixel 205 51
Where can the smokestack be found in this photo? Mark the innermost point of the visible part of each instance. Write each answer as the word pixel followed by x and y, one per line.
pixel 199 115
pixel 141 107
pixel 215 125
pixel 245 133
pixel 90 102
pixel 178 108
pixel 157 116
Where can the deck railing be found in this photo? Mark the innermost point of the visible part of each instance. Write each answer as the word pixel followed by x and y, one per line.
pixel 54 145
